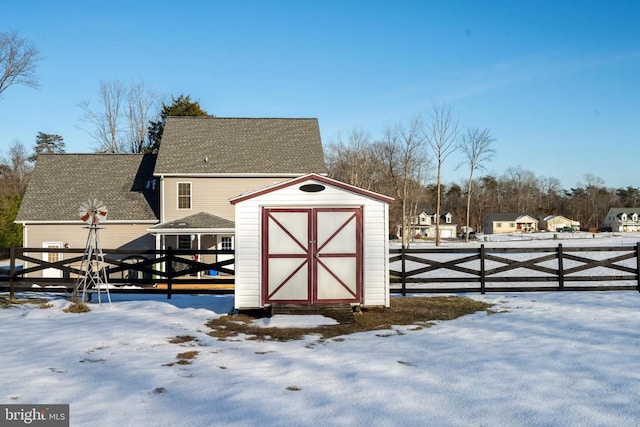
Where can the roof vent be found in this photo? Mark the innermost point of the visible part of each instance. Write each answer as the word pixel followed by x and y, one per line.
pixel 312 188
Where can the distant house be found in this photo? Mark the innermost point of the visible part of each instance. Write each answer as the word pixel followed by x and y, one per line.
pixel 558 223
pixel 424 225
pixel 499 223
pixel 420 224
pixel 178 197
pixel 623 219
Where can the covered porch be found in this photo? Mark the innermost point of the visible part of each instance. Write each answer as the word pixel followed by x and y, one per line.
pixel 201 231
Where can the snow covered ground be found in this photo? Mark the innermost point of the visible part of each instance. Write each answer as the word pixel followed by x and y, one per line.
pixel 552 359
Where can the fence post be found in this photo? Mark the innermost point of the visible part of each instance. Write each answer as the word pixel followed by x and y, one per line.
pixel 560 268
pixel 169 269
pixel 12 272
pixel 638 264
pixel 482 273
pixel 404 282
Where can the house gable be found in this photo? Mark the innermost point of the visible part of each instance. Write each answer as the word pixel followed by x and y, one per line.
pixel 424 218
pixel 526 219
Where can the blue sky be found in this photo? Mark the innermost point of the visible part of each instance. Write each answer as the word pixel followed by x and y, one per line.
pixel 556 82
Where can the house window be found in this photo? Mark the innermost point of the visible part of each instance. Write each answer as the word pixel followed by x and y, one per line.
pixel 184 241
pixel 448 219
pixel 512 225
pixel 226 243
pixel 498 225
pixel 184 195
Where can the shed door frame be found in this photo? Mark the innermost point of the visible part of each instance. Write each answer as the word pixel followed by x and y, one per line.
pixel 317 271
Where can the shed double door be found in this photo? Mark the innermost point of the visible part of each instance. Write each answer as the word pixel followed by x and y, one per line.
pixel 312 255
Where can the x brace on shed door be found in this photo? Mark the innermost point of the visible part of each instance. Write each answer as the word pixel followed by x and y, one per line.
pixel 312 255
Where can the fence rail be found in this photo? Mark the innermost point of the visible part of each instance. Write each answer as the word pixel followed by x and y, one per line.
pixel 128 271
pixel 434 270
pixel 429 270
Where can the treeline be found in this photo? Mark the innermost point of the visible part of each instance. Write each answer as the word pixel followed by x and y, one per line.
pixel 360 160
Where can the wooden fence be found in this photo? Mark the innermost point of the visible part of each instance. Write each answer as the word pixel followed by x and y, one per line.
pixel 430 270
pixel 128 271
pixel 531 269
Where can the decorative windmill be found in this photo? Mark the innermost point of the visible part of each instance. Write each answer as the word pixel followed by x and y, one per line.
pixel 93 269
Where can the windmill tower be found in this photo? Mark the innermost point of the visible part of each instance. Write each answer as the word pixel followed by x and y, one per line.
pixel 93 269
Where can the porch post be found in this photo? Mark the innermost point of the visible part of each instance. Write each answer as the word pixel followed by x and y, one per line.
pixel 199 256
pixel 159 247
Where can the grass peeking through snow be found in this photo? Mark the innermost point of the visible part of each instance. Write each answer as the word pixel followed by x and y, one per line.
pixel 403 311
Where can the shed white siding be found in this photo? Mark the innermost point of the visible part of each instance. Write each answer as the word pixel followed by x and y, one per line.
pixel 249 238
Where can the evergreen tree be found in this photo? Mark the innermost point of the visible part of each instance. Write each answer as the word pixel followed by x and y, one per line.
pixel 181 106
pixel 47 143
pixel 10 232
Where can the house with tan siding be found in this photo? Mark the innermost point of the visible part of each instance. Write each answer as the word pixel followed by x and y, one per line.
pixel 500 223
pixel 178 197
pixel 558 223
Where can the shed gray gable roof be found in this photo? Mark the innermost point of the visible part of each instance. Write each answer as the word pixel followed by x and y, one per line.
pixel 60 183
pixel 216 145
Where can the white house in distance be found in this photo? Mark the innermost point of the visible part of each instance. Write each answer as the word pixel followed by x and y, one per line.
pixel 311 240
pixel 623 219
pixel 499 223
pixel 424 225
pixel 558 223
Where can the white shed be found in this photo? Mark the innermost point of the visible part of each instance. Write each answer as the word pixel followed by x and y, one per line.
pixel 311 240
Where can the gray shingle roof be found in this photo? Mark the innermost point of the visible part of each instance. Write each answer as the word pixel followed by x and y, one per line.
pixel 215 145
pixel 201 220
pixel 620 211
pixel 60 183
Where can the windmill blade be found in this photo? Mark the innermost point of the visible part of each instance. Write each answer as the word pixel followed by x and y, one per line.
pixel 100 211
pixel 93 211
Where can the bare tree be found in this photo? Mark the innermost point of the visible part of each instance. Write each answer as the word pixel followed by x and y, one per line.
pixel 551 189
pixel 599 198
pixel 406 165
pixel 441 134
pixel 15 170
pixel 477 149
pixel 353 161
pixel 141 102
pixel 106 133
pixel 520 189
pixel 18 58
pixel 120 122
